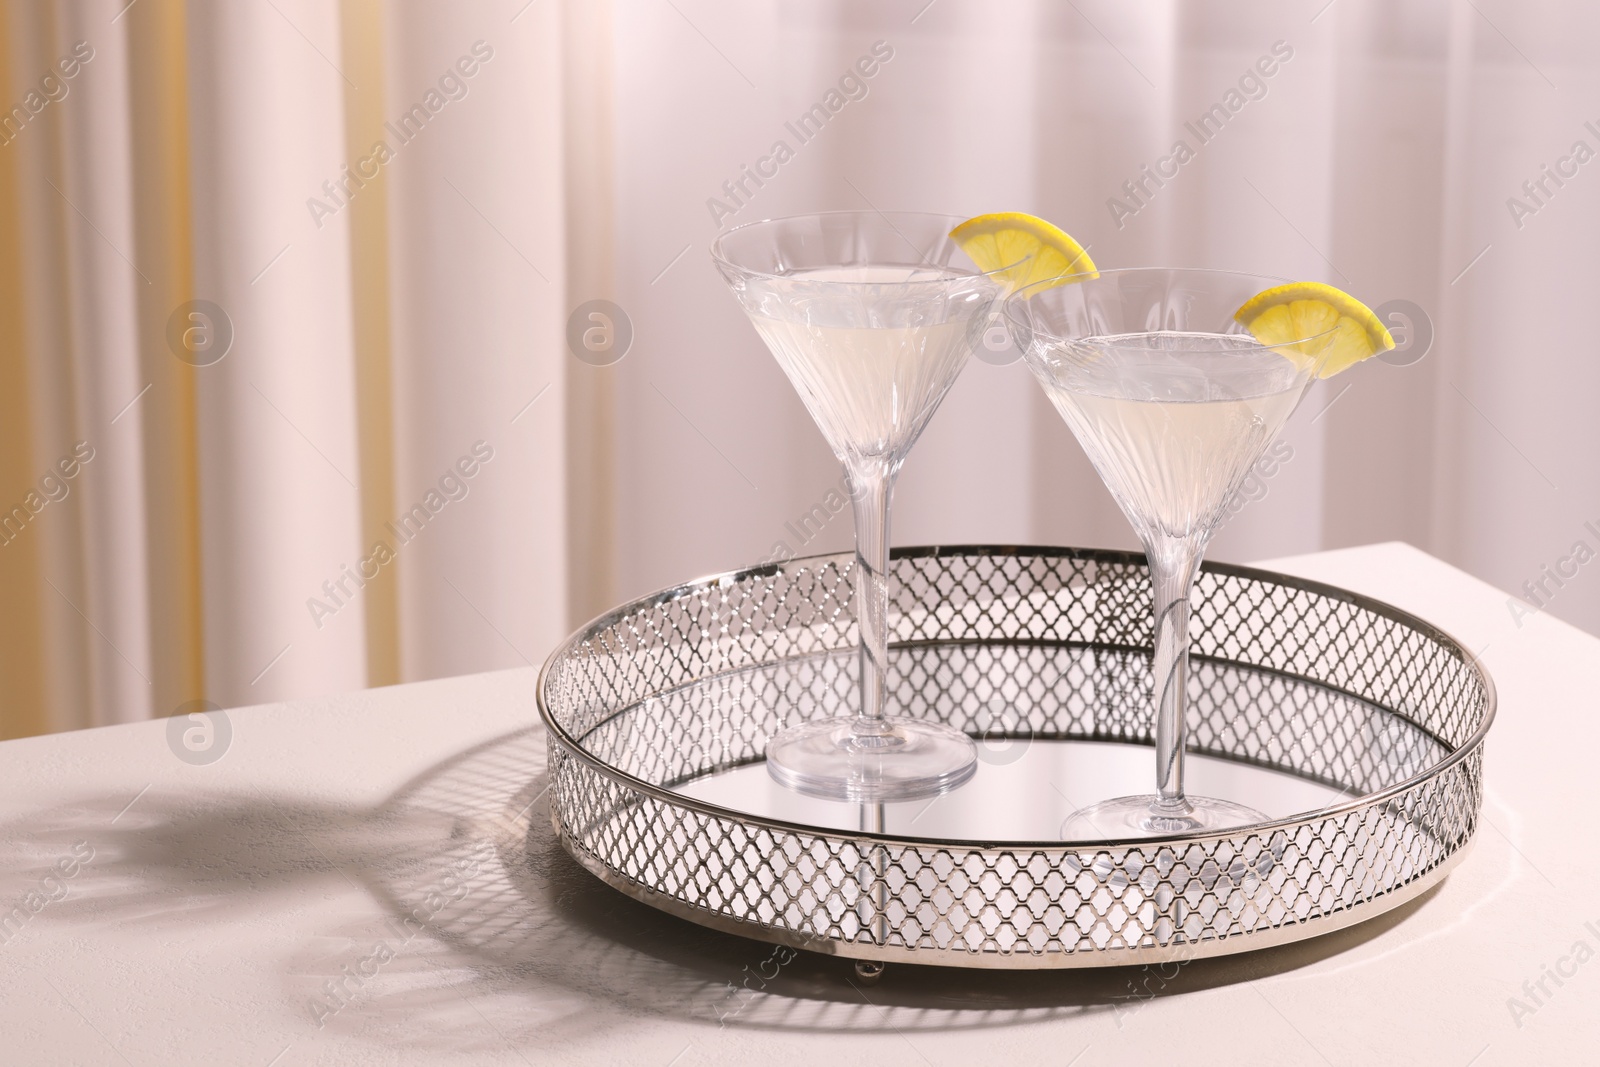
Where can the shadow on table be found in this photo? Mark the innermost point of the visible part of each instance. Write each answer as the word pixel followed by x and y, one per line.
pixel 494 936
pixel 534 921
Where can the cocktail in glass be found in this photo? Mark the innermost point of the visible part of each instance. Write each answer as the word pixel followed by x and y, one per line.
pixel 872 315
pixel 1174 402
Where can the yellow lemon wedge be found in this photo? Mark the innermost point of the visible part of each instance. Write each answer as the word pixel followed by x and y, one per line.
pixel 1028 248
pixel 1317 321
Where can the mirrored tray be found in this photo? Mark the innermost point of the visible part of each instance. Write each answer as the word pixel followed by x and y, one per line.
pixel 1356 727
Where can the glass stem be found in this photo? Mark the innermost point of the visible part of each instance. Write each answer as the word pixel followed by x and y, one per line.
pixel 872 907
pixel 870 489
pixel 1173 565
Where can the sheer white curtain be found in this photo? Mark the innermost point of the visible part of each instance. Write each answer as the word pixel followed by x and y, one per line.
pixel 1378 155
pixel 393 317
pixel 399 372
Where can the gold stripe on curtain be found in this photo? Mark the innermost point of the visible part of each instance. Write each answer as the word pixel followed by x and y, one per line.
pixel 361 28
pixel 24 708
pixel 158 103
pixel 591 401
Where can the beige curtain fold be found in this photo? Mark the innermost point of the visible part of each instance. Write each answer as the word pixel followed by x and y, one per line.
pixel 221 540
pixel 398 470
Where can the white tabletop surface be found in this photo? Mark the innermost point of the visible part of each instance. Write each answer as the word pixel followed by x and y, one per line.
pixel 329 892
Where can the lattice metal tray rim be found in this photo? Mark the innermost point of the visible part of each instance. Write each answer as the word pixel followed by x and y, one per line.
pixel 622 637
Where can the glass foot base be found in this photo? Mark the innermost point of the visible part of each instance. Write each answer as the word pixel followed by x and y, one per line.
pixel 909 759
pixel 1125 817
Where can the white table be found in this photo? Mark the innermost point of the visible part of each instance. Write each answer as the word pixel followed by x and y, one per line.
pixel 251 910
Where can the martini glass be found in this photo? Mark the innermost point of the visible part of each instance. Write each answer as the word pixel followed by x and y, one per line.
pixel 1174 402
pixel 872 315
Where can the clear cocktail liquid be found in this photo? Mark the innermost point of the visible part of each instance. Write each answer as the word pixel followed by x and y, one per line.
pixel 869 374
pixel 1174 421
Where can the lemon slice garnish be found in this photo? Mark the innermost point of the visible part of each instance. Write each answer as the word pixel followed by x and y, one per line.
pixel 1029 248
pixel 1330 327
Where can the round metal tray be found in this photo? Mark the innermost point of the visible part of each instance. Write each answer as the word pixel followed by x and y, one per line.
pixel 1381 712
